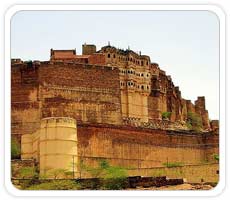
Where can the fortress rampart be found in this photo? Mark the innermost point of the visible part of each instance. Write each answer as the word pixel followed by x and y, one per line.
pixel 60 143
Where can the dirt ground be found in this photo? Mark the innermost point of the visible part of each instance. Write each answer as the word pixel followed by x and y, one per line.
pixel 178 187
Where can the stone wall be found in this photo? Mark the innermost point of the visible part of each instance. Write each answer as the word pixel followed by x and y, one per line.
pixel 143 148
pixel 25 106
pixel 191 173
pixel 87 93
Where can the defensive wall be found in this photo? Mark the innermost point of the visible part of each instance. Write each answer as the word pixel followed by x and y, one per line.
pixel 60 143
pixel 84 92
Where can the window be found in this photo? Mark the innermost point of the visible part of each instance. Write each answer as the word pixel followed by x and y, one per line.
pixel 142 87
pixel 114 56
pixel 147 63
pixel 142 75
pixel 128 71
pixel 142 63
pixel 108 55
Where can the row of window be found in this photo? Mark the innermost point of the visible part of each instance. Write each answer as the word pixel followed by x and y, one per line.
pixel 133 72
pixel 128 59
pixel 132 84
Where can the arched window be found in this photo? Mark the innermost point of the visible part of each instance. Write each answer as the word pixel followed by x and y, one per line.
pixel 108 55
pixel 142 63
pixel 142 75
pixel 114 56
pixel 142 87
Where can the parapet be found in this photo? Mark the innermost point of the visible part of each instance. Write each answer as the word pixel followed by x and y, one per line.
pixel 58 121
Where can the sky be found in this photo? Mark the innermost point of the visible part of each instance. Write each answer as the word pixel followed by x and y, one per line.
pixel 184 43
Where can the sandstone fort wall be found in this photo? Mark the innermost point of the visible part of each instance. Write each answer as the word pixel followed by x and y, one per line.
pixel 143 148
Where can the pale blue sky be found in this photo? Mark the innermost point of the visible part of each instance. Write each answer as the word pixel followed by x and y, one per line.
pixel 184 43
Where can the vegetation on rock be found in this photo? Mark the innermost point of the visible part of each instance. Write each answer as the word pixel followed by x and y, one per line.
pixel 194 122
pixel 166 115
pixel 15 149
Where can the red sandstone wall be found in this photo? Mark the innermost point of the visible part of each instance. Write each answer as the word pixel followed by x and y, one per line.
pixel 98 59
pixel 84 92
pixel 141 148
pixel 83 75
pixel 25 113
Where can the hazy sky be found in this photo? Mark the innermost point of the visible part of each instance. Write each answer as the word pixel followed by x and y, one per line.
pixel 184 43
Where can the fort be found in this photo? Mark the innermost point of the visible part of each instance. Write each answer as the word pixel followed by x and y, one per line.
pixel 108 104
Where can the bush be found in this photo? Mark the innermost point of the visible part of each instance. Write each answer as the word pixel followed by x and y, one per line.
pixel 166 115
pixel 110 177
pixel 56 185
pixel 115 178
pixel 28 175
pixel 15 149
pixel 26 172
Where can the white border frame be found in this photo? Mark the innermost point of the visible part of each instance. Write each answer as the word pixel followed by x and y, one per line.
pixel 212 8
